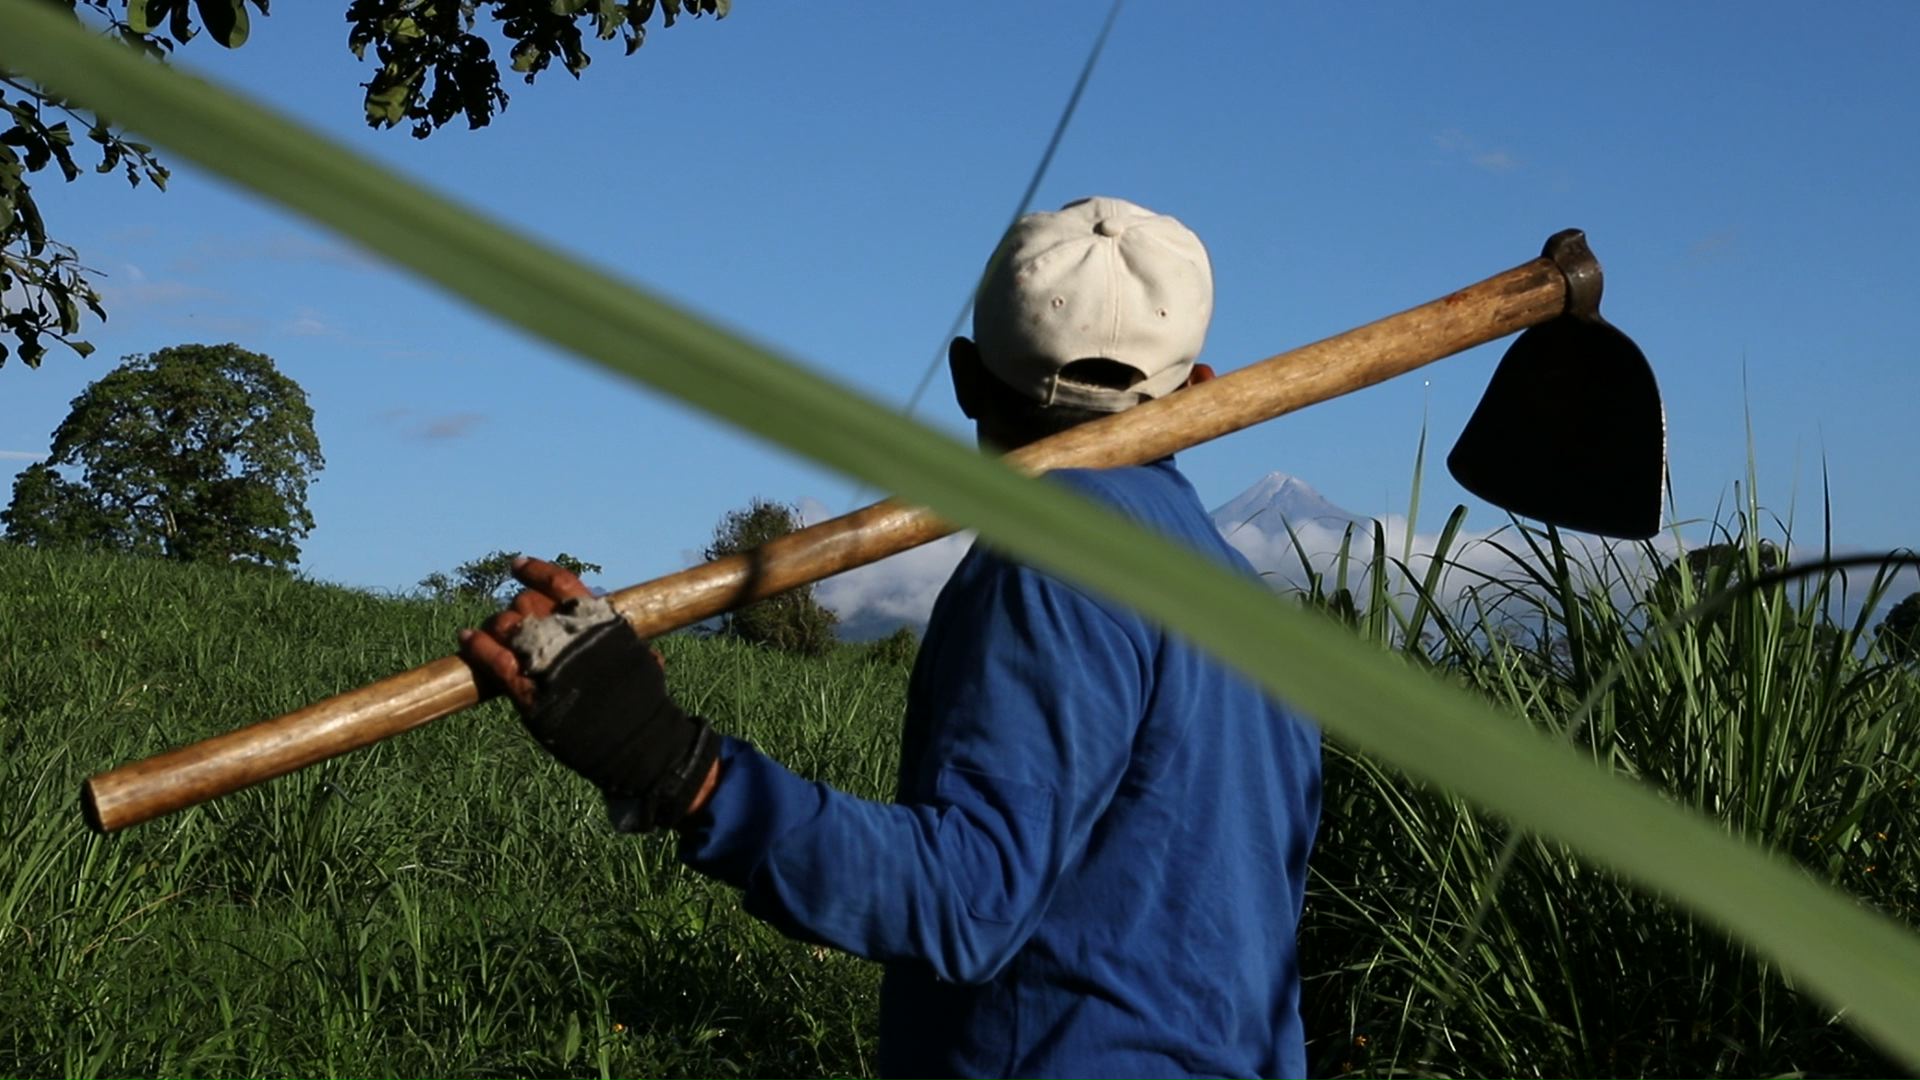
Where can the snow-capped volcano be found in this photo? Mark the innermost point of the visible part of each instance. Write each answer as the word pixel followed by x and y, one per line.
pixel 1276 501
pixel 875 600
pixel 1281 521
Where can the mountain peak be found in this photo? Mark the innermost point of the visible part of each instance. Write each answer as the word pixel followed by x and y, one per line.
pixel 1278 500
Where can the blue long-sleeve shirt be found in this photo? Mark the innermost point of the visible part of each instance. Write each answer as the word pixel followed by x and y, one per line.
pixel 1096 859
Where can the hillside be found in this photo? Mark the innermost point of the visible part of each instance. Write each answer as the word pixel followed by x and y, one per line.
pixel 451 903
pixel 447 903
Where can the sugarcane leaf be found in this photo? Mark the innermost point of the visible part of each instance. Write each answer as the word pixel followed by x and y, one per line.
pixel 1858 961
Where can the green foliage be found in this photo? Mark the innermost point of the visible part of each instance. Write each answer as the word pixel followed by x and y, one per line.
pixel 43 284
pixel 898 649
pixel 435 42
pixel 433 62
pixel 452 903
pixel 1764 715
pixel 197 453
pixel 50 510
pixel 793 621
pixel 1899 633
pixel 1710 569
pixel 488 577
pixel 1864 965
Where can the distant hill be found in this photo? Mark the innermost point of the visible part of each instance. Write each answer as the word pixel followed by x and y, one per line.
pixel 876 600
pixel 1277 500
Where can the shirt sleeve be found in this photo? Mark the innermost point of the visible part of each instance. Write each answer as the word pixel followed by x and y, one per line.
pixel 1031 697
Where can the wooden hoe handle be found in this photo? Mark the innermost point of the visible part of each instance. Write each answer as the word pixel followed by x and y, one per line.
pixel 1504 304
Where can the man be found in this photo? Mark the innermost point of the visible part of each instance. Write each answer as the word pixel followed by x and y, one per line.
pixel 1095 863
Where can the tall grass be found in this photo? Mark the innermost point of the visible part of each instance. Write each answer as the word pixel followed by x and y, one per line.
pixel 1424 727
pixel 451 903
pixel 448 903
pixel 1774 715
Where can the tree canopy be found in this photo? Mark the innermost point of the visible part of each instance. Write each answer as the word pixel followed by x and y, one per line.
pixel 1899 632
pixel 431 60
pixel 793 621
pixel 1711 569
pixel 487 577
pixel 195 453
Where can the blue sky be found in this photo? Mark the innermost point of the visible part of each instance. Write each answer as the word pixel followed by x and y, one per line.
pixel 828 179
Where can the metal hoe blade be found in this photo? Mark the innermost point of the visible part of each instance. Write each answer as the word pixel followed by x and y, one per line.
pixel 1571 430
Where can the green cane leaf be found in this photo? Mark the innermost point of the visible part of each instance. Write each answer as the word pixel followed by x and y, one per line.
pixel 1858 961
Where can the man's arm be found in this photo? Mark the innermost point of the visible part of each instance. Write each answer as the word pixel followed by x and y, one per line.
pixel 1038 700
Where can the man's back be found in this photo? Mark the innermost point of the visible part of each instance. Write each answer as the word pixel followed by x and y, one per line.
pixel 1162 810
pixel 1097 860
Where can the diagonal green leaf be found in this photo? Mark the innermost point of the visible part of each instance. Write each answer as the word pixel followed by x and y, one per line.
pixel 1857 960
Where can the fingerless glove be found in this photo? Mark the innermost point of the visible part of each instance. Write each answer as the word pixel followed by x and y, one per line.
pixel 601 708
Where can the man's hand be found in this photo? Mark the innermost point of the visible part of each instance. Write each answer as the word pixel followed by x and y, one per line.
pixel 491 647
pixel 594 694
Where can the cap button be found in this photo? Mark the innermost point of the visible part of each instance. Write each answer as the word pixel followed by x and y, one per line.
pixel 1109 226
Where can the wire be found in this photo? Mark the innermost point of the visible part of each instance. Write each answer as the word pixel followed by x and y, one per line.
pixel 1026 203
pixel 1026 197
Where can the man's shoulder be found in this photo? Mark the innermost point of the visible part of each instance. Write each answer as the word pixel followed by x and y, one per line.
pixel 1151 490
pixel 1154 495
pixel 1121 478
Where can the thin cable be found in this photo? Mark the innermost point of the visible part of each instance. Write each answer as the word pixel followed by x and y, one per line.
pixel 1026 202
pixel 1026 197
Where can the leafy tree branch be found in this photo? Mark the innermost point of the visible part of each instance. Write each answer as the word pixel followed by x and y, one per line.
pixel 433 61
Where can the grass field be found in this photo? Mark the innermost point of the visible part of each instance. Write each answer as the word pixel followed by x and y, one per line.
pixel 451 903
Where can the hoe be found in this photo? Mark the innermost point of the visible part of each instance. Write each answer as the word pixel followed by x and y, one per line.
pixel 1570 432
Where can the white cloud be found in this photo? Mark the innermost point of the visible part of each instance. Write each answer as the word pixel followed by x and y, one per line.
pixel 308 323
pixel 1487 565
pixel 21 455
pixel 230 327
pixel 1458 145
pixel 1714 245
pixel 290 247
pixel 141 291
pixel 282 247
pixel 417 425
pixel 452 427
pixel 131 235
pixel 899 589
pixel 896 591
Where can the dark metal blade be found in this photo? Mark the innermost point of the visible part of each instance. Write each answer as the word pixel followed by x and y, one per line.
pixel 1570 432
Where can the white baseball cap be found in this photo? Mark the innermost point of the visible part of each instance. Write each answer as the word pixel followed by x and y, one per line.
pixel 1098 278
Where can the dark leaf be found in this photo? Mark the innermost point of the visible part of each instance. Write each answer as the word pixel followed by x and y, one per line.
pixel 226 20
pixel 180 22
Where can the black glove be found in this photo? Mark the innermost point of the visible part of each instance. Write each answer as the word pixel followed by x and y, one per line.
pixel 601 707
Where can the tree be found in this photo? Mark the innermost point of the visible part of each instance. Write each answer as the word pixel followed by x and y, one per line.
pixel 1899 633
pixel 794 620
pixel 1713 569
pixel 486 577
pixel 430 62
pixel 196 453
pixel 898 649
